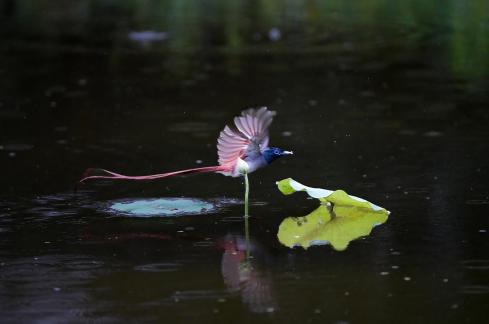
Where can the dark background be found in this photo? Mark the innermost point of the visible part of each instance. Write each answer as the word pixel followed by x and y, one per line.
pixel 386 100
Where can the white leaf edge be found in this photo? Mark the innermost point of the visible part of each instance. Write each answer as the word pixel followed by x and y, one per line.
pixel 323 193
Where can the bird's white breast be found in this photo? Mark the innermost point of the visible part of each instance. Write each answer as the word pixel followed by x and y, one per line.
pixel 242 167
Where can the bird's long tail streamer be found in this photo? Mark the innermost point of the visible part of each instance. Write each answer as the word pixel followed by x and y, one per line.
pixel 93 174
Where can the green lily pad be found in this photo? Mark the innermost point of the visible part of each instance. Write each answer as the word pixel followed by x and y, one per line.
pixel 163 207
pixel 339 219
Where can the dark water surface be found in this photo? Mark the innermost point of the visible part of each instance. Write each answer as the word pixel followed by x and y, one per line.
pixel 386 101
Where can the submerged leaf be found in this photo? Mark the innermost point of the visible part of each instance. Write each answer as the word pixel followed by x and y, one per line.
pixel 339 219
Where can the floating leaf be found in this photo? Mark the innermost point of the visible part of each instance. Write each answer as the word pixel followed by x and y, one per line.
pixel 339 219
pixel 338 197
pixel 167 207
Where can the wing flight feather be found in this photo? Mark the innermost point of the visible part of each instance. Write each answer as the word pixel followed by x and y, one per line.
pixel 248 136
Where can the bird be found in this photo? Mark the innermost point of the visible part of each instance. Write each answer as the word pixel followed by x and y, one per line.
pixel 242 148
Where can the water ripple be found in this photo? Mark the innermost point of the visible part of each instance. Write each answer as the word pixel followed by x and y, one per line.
pixel 475 289
pixel 197 294
pixel 477 202
pixel 476 264
pixel 159 267
pixel 49 288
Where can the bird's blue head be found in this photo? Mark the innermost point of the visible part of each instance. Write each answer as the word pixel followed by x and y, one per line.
pixel 272 153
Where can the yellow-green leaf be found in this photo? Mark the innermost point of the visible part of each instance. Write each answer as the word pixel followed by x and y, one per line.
pixel 337 225
pixel 339 219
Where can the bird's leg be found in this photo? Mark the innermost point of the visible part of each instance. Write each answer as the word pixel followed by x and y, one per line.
pixel 247 192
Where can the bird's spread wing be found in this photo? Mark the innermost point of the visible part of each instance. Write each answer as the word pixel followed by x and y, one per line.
pixel 247 138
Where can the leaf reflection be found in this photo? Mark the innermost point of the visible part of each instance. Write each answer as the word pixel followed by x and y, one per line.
pixel 337 225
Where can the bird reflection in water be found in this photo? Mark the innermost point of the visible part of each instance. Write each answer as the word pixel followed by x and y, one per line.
pixel 242 275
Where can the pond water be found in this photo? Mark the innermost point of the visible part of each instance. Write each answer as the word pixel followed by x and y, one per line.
pixel 387 101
